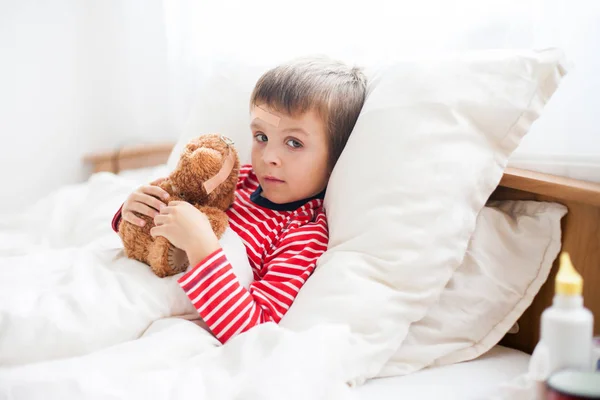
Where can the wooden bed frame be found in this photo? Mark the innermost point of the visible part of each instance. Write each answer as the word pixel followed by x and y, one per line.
pixel 580 227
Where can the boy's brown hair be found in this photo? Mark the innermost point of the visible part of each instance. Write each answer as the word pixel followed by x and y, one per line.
pixel 333 89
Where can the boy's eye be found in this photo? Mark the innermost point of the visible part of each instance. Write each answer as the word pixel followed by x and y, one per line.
pixel 294 143
pixel 261 137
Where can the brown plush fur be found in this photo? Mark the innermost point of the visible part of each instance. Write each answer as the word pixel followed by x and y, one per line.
pixel 200 161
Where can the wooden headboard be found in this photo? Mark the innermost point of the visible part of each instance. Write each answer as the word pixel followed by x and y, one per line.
pixel 129 157
pixel 580 227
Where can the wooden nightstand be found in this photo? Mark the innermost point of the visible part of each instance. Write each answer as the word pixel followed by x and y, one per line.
pixel 130 157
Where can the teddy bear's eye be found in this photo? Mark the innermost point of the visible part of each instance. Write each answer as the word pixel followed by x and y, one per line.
pixel 181 194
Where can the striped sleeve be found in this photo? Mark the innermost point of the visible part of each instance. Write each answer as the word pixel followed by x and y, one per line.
pixel 229 309
pixel 116 219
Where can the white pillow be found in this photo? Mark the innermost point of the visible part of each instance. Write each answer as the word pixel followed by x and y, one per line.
pixel 509 258
pixel 428 149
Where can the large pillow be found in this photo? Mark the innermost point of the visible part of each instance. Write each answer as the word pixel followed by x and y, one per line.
pixel 508 259
pixel 428 149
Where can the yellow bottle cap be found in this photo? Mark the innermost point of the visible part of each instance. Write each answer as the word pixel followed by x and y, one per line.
pixel 568 281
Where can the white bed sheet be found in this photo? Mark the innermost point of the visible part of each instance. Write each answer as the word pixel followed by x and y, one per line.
pixel 477 379
pixel 88 323
pixel 79 320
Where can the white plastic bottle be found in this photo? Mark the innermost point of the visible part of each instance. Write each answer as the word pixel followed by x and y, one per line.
pixel 567 326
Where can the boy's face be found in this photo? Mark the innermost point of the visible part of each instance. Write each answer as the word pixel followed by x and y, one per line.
pixel 289 155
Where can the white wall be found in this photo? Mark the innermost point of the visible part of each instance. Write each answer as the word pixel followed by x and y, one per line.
pixel 76 77
pixel 86 75
pixel 566 139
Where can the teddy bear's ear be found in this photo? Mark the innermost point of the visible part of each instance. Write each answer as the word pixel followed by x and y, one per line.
pixel 192 145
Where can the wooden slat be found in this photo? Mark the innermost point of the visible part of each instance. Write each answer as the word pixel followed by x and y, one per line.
pixel 558 187
pixel 131 157
pixel 130 152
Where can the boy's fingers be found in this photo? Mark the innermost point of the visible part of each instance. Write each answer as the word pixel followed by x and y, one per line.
pixel 155 191
pixel 157 181
pixel 131 218
pixel 157 231
pixel 149 201
pixel 143 209
pixel 160 219
pixel 172 207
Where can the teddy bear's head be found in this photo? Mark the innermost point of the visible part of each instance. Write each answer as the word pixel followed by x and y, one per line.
pixel 207 172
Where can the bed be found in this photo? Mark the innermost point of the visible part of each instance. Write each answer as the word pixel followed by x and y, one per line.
pixel 88 322
pixel 477 378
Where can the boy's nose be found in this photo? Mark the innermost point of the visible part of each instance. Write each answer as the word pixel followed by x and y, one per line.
pixel 270 157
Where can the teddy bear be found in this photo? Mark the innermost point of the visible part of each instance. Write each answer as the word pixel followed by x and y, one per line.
pixel 205 176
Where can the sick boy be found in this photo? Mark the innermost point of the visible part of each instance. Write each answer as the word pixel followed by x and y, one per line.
pixel 301 115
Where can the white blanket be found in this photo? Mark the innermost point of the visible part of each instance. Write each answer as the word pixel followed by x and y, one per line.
pixel 80 320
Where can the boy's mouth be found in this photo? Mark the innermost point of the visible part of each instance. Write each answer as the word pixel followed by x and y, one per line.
pixel 272 179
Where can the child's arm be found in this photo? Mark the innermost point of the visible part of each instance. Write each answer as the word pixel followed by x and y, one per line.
pixel 229 309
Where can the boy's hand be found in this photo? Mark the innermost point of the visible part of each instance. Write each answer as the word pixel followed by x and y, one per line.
pixel 188 229
pixel 144 200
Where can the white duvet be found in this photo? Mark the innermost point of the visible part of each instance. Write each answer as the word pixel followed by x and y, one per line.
pixel 80 320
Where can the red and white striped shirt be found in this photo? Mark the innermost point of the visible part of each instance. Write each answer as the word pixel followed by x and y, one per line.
pixel 283 243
